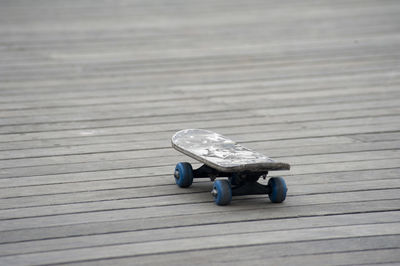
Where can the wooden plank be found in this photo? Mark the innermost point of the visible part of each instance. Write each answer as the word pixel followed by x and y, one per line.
pixel 127 188
pixel 118 152
pixel 213 242
pixel 197 104
pixel 233 96
pixel 157 165
pixel 202 207
pixel 84 141
pixel 198 120
pixel 196 231
pixel 264 85
pixel 247 121
pixel 277 256
pixel 146 198
pixel 290 253
pixel 90 228
pixel 153 135
pixel 228 88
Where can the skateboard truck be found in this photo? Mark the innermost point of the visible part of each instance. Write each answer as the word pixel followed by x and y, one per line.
pixel 244 183
pixel 222 157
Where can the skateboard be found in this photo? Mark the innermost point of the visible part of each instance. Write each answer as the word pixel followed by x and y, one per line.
pixel 223 157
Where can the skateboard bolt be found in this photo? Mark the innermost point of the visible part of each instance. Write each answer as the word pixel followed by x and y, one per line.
pixel 176 174
pixel 214 193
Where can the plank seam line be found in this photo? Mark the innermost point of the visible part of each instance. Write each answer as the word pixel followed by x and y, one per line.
pixel 177 204
pixel 232 63
pixel 297 104
pixel 124 91
pixel 152 140
pixel 174 130
pixel 169 156
pixel 251 115
pixel 198 181
pixel 187 225
pixel 190 192
pixel 210 118
pixel 344 251
pixel 179 156
pixel 222 59
pixel 170 165
pixel 175 87
pixel 168 195
pixel 217 248
pixel 246 80
pixel 241 233
pixel 375 263
pixel 346 101
pixel 316 89
pixel 344 171
pixel 243 109
pixel 77 76
pixel 394 115
pixel 379 159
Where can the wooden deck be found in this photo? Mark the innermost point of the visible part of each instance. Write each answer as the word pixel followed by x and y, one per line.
pixel 92 91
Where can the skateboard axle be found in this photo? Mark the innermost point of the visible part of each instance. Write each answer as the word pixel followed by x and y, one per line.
pixel 250 188
pixel 205 171
pixel 176 174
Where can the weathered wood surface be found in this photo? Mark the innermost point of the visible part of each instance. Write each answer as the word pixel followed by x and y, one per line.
pixel 92 91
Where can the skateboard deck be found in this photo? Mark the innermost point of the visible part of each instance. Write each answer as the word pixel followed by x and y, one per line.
pixel 222 153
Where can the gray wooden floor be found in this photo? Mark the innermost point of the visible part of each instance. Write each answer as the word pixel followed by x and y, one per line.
pixel 92 91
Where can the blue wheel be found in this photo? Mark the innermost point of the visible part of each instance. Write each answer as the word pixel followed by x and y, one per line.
pixel 278 189
pixel 183 174
pixel 222 192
